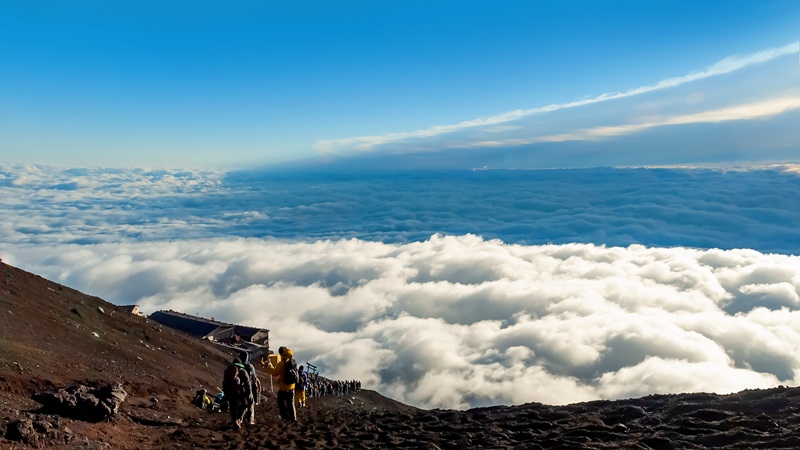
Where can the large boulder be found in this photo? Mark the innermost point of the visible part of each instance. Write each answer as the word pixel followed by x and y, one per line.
pixel 82 402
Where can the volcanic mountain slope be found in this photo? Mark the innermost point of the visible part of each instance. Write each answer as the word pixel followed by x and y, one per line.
pixel 52 336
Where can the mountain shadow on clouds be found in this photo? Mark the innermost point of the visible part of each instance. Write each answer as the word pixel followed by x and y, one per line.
pixel 700 208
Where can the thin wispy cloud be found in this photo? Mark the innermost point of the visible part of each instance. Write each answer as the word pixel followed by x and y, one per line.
pixel 749 111
pixel 495 124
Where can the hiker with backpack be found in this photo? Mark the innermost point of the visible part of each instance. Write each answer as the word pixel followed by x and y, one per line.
pixel 202 399
pixel 300 388
pixel 238 390
pixel 255 388
pixel 286 373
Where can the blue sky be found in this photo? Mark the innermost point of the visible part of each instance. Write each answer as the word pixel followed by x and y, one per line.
pixel 202 84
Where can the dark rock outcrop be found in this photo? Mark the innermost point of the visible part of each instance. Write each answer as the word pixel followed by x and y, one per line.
pixel 82 402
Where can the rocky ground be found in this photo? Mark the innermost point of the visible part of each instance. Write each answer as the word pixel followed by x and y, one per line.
pixel 52 337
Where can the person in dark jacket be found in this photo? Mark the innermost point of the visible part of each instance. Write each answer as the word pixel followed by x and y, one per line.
pixel 255 388
pixel 237 388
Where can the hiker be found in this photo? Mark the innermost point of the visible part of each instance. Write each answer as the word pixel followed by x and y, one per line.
pixel 238 390
pixel 300 388
pixel 221 400
pixel 255 388
pixel 201 399
pixel 284 371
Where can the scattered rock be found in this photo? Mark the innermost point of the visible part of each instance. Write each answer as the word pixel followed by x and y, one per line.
pixel 39 431
pixel 620 428
pixel 155 420
pixel 89 445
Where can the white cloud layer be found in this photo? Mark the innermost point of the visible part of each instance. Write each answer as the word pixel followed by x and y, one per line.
pixel 345 271
pixel 459 321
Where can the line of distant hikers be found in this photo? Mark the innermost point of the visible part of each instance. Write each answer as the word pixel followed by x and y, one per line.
pixel 241 388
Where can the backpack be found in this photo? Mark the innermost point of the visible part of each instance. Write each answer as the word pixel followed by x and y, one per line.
pixel 236 381
pixel 229 378
pixel 243 387
pixel 255 384
pixel 290 374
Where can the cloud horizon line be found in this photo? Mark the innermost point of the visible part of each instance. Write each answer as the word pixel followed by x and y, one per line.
pixel 362 144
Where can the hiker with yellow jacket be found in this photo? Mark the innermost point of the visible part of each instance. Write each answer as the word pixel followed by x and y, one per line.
pixel 286 373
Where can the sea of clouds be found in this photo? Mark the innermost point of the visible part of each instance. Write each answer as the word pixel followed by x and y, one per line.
pixel 454 289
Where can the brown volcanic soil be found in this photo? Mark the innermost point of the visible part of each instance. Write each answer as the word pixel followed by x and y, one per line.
pixel 47 340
